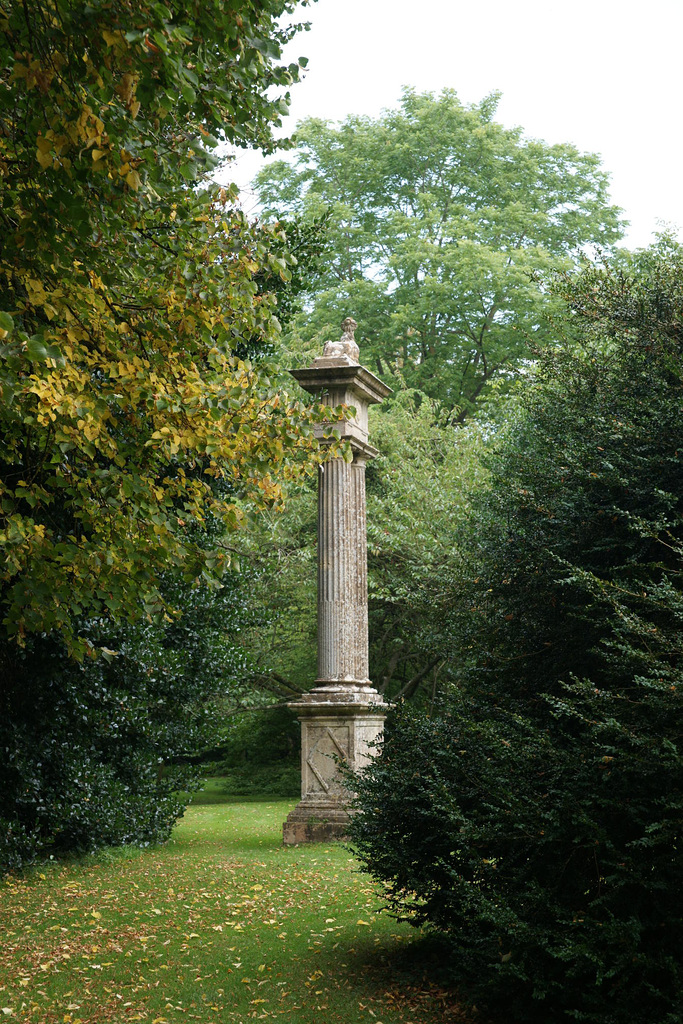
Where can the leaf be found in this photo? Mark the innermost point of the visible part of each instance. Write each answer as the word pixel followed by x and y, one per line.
pixel 44 152
pixel 36 348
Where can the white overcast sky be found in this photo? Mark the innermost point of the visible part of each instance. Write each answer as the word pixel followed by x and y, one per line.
pixel 603 74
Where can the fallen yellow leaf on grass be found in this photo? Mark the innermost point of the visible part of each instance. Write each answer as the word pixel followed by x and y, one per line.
pixel 366 923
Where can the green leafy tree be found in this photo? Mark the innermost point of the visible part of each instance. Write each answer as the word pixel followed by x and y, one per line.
pixel 535 816
pixel 140 425
pixel 301 246
pixel 417 495
pixel 130 301
pixel 261 755
pixel 440 223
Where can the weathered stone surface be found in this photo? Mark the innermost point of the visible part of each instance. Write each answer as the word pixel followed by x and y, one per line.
pixel 342 718
pixel 338 725
pixel 346 348
pixel 342 573
pixel 334 382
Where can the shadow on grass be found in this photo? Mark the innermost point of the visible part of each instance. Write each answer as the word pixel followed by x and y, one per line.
pixel 423 958
pixel 414 975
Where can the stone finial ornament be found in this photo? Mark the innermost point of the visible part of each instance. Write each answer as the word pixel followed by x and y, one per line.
pixel 346 346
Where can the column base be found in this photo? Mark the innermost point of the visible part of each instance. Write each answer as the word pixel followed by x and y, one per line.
pixel 339 723
pixel 312 822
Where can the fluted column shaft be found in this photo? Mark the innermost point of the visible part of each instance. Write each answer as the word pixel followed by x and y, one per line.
pixel 342 573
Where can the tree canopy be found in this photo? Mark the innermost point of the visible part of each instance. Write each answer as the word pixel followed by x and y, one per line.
pixel 141 422
pixel 130 301
pixel 441 223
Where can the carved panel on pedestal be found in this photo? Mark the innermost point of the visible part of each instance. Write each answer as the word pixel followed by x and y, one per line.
pixel 325 743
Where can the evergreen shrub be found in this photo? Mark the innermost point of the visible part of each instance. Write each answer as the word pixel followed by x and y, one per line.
pixel 534 817
pixel 101 753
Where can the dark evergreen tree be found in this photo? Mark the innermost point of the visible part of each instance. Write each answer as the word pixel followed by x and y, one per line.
pixel 535 816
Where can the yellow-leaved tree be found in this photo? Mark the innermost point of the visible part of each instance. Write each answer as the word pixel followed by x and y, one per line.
pixel 140 422
pixel 130 407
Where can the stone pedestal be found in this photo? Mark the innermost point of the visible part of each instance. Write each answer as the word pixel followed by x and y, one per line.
pixel 338 724
pixel 342 718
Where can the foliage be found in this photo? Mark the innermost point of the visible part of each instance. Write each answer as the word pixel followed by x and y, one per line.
pixel 262 755
pixel 440 223
pixel 535 818
pixel 302 246
pixel 130 301
pixel 417 497
pixel 281 643
pixel 97 753
pixel 140 424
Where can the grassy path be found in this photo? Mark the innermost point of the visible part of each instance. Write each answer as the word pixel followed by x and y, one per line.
pixel 221 925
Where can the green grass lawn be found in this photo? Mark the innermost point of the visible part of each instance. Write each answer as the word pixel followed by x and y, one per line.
pixel 222 924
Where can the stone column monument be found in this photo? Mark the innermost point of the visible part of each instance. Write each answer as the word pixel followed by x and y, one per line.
pixel 344 715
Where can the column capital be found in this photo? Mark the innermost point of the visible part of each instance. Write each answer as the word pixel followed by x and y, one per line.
pixel 335 372
pixel 334 381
